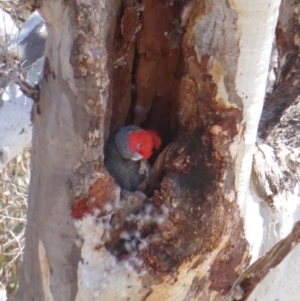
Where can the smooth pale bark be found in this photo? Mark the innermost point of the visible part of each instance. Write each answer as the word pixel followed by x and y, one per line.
pixel 274 176
pixel 199 77
pixel 59 144
pixel 275 182
pixel 251 82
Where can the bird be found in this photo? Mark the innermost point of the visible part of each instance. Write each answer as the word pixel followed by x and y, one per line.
pixel 126 153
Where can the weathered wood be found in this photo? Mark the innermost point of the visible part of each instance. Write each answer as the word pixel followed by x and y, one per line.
pixel 71 126
pixel 249 279
pixel 196 72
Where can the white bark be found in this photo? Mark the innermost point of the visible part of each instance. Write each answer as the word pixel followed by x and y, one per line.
pixel 276 221
pixel 51 256
pixel 256 26
pixel 68 147
pixel 273 202
pixel 255 42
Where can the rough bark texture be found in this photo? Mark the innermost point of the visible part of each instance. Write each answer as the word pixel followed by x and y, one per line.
pixel 275 171
pixel 70 127
pixel 188 97
pixel 275 174
pixel 179 68
pixel 249 279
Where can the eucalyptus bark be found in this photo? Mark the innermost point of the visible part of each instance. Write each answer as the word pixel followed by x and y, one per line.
pixel 275 174
pixel 196 73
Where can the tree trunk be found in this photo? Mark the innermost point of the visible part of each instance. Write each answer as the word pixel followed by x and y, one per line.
pixel 196 72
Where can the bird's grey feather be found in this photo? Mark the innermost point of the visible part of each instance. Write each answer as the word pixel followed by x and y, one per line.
pixel 125 171
pixel 121 139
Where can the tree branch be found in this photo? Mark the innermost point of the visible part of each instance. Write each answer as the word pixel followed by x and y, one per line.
pixel 249 279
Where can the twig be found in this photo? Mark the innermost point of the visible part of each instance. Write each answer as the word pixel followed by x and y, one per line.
pixel 32 91
pixel 12 218
pixel 17 240
pixel 14 184
pixel 14 259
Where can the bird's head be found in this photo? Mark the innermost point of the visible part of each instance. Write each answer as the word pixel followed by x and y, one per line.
pixel 142 142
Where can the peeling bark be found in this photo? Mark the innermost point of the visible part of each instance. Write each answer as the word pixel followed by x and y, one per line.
pixel 182 69
pixel 275 170
pixel 249 279
pixel 73 104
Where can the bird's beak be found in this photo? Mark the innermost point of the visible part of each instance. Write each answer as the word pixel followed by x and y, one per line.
pixel 136 157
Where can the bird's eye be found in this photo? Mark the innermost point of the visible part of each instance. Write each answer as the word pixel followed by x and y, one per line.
pixel 139 146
